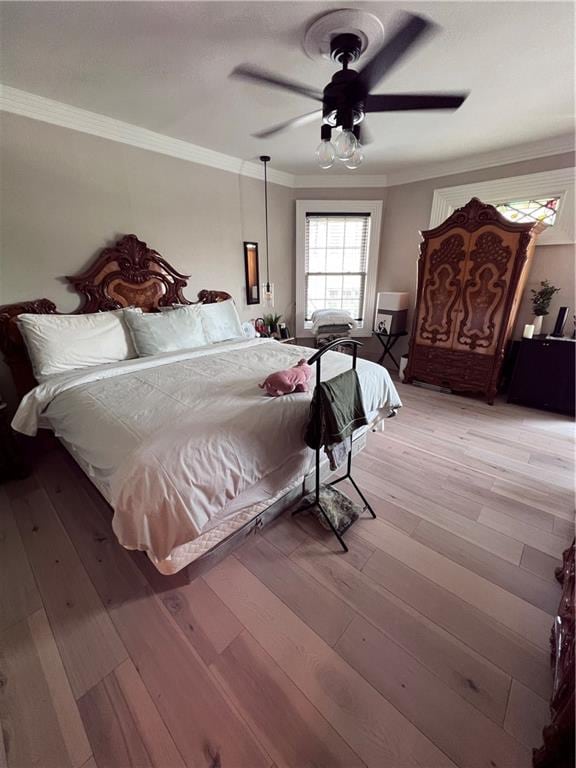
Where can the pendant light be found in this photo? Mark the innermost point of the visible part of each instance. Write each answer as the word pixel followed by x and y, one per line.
pixel 268 288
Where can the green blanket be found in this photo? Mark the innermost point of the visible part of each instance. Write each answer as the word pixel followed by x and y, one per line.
pixel 336 410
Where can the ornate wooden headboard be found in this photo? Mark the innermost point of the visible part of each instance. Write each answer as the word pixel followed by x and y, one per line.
pixel 129 274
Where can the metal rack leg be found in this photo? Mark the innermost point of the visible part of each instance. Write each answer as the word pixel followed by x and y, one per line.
pixel 334 531
pixel 359 492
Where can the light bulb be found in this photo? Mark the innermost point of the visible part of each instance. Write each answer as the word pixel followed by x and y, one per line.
pixel 356 160
pixel 325 154
pixel 345 145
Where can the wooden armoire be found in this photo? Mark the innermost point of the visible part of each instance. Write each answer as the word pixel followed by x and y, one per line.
pixel 471 275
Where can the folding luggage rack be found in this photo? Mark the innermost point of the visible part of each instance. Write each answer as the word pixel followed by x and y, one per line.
pixel 316 359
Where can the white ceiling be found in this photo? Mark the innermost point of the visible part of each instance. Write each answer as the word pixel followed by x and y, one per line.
pixel 164 66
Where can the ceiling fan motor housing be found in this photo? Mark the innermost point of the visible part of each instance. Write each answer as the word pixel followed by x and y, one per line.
pixel 345 48
pixel 341 105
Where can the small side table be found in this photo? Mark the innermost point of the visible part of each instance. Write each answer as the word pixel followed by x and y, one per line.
pixel 12 464
pixel 388 340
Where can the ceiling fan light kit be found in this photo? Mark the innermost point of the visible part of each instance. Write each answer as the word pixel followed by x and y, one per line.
pixel 348 97
pixel 325 153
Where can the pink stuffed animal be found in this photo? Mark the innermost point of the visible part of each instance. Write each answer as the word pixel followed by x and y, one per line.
pixel 291 380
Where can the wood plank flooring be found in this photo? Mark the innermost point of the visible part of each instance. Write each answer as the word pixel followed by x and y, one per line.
pixel 426 645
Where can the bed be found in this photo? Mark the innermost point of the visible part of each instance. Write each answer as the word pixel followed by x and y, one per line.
pixel 183 445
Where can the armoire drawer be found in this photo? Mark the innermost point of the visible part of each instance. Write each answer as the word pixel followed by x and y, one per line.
pixel 447 367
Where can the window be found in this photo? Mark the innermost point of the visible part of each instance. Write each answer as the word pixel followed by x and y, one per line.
pixel 531 210
pixel 547 196
pixel 337 244
pixel 336 262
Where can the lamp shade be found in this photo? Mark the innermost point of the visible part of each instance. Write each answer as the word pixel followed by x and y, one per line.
pixel 392 300
pixel 391 312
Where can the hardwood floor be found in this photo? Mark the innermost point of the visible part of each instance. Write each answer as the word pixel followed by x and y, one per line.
pixel 426 645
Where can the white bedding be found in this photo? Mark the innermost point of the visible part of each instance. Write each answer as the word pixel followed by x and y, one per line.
pixel 180 438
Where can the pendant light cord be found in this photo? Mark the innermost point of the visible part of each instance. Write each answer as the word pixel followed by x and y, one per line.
pixel 265 159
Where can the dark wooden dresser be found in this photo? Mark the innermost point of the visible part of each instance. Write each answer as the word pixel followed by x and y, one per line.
pixel 12 463
pixel 558 748
pixel 543 375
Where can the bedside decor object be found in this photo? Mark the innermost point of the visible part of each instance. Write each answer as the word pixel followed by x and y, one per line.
pixel 528 331
pixel 558 331
pixel 391 314
pixel 271 322
pixel 471 275
pixel 284 331
pixel 260 327
pixel 252 272
pixel 541 303
pixel 249 330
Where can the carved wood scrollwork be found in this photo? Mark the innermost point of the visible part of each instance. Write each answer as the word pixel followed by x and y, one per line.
pixel 11 342
pixel 212 297
pixel 129 274
pixel 441 290
pixel 483 292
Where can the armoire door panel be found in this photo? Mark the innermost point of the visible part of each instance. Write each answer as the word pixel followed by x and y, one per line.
pixel 442 276
pixel 485 287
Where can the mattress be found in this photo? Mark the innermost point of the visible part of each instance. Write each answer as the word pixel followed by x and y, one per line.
pixel 185 446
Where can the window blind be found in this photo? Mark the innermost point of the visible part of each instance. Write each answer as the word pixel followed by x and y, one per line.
pixel 336 262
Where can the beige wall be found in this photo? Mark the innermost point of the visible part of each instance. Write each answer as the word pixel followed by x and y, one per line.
pixel 407 209
pixel 66 194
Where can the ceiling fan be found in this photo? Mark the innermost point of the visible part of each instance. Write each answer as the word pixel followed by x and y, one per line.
pixel 348 97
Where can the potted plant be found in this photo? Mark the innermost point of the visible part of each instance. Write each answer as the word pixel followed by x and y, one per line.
pixel 271 321
pixel 541 303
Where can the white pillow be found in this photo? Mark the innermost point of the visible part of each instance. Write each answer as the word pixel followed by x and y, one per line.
pixel 220 321
pixel 159 332
pixel 60 343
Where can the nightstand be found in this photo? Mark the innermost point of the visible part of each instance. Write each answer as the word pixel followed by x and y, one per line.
pixel 543 374
pixel 12 464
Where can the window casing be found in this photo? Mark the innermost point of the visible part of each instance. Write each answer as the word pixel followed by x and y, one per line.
pixel 337 245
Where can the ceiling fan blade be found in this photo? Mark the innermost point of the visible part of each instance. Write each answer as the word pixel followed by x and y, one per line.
pixel 364 135
pixel 295 122
pixel 261 77
pixel 412 30
pixel 398 102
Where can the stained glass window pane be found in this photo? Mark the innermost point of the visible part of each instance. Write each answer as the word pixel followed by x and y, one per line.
pixel 525 211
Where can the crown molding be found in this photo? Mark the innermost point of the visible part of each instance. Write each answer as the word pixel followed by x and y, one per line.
pixel 331 181
pixel 556 145
pixel 46 110
pixel 66 116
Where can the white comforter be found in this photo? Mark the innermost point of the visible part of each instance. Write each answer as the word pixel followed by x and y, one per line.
pixel 182 435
